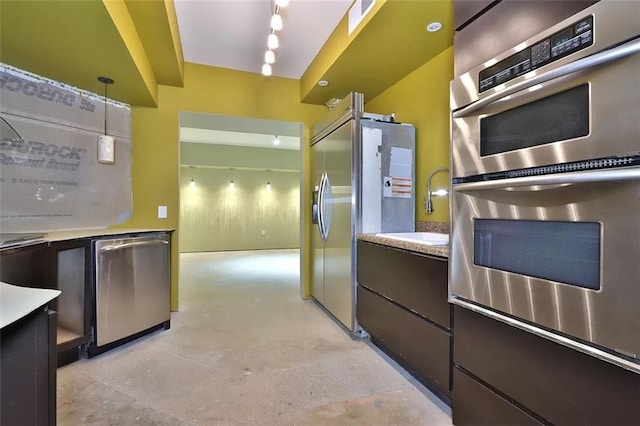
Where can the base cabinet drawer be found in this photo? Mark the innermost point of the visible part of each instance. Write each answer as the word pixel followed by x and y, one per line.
pixel 475 404
pixel 413 280
pixel 424 347
pixel 558 384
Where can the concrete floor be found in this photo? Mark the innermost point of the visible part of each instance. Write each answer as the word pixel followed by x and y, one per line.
pixel 244 349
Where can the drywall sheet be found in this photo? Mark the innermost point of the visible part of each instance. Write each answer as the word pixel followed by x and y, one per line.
pixel 50 178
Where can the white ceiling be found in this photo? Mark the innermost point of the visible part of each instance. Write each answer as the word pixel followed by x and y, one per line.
pixel 233 33
pixel 218 129
pixel 221 137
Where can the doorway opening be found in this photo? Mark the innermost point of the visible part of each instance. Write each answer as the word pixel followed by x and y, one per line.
pixel 240 184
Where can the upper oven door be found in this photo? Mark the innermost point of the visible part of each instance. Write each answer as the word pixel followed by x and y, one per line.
pixel 582 105
pixel 561 251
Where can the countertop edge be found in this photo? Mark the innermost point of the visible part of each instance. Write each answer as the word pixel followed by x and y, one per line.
pixel 16 302
pixel 89 233
pixel 440 251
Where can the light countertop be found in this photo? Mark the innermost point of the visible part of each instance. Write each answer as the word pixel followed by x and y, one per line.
pixel 39 237
pixel 441 251
pixel 88 233
pixel 17 302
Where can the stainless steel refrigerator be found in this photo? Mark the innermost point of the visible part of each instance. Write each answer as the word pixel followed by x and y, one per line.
pixel 363 178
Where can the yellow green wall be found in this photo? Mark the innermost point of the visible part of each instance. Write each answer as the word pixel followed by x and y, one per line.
pixel 422 99
pixel 210 155
pixel 155 148
pixel 248 215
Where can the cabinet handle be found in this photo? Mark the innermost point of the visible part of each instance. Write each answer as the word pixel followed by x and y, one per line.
pixel 609 175
pixel 129 245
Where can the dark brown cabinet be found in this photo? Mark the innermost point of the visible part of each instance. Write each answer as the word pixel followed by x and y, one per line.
pixel 402 304
pixel 502 372
pixel 28 365
pixel 57 265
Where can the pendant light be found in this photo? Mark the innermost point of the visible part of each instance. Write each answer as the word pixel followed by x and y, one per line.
pixel 106 147
pixel 276 140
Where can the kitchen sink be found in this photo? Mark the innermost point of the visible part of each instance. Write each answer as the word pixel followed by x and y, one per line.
pixel 426 238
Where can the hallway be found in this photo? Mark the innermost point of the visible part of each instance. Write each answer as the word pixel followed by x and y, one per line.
pixel 244 349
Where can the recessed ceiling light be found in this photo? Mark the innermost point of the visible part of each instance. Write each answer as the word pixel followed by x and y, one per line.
pixel 266 70
pixel 323 83
pixel 434 26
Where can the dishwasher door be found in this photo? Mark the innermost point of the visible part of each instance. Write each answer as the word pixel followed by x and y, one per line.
pixel 132 286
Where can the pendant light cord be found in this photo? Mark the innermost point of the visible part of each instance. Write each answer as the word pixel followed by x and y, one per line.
pixel 105 108
pixel 106 81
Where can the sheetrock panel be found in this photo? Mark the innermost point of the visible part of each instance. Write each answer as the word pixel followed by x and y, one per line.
pixel 50 178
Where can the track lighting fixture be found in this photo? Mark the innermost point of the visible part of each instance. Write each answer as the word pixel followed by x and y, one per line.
pixel 272 39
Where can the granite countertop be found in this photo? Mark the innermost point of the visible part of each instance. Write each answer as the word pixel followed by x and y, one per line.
pixel 17 302
pixel 441 251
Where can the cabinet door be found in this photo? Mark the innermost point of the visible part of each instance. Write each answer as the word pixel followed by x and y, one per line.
pixel 422 346
pixel 28 390
pixel 415 281
pixel 557 383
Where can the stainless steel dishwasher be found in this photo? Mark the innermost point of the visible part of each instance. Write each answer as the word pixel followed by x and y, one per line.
pixel 131 289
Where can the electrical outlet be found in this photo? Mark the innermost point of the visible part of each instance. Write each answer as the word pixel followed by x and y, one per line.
pixel 263 233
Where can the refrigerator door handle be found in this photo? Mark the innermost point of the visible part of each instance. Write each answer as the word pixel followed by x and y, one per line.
pixel 321 206
pixel 327 207
pixel 314 205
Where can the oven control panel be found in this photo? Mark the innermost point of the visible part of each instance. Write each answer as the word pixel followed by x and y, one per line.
pixel 571 39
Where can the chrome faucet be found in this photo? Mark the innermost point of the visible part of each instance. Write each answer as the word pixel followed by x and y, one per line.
pixel 428 204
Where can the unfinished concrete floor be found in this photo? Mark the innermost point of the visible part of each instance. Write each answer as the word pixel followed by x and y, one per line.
pixel 244 349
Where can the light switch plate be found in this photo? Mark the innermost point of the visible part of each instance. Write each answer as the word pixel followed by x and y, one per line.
pixel 162 212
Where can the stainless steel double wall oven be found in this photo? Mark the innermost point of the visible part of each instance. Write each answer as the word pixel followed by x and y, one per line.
pixel 546 184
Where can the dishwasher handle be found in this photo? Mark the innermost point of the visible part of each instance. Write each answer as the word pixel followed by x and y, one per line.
pixel 132 244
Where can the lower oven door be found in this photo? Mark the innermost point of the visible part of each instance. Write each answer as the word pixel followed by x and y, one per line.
pixel 560 253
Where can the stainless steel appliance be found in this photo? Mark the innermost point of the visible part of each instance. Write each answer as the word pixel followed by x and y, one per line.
pixel 363 175
pixel 546 184
pixel 131 288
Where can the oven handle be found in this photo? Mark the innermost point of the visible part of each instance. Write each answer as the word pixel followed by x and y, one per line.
pixel 608 175
pixel 581 64
pixel 539 331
